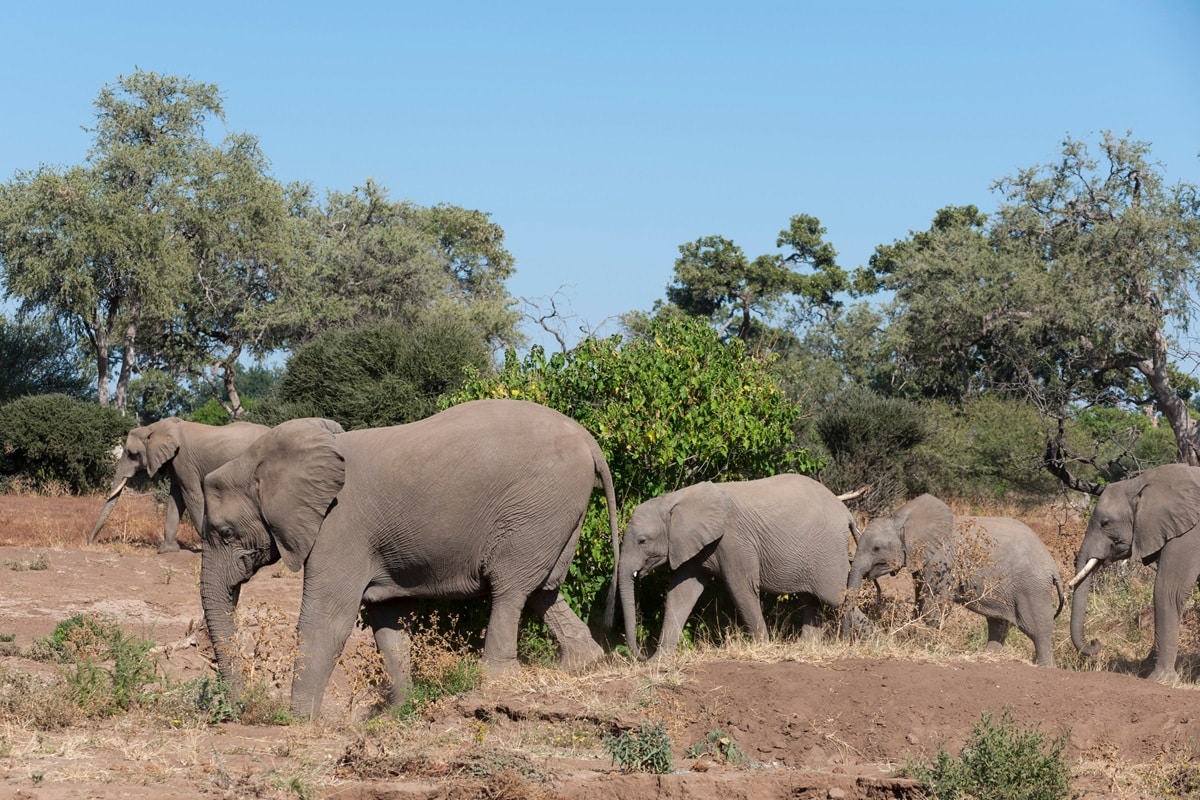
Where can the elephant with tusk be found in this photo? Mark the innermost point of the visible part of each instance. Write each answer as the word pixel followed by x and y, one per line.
pixel 187 451
pixel 1153 517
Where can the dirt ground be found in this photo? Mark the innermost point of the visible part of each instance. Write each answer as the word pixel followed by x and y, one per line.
pixel 812 724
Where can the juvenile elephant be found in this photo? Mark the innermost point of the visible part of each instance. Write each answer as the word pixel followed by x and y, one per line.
pixel 1153 517
pixel 484 499
pixel 785 535
pixel 994 566
pixel 188 451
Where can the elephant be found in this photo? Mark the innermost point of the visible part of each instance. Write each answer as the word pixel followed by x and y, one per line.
pixel 786 534
pixel 1151 517
pixel 994 566
pixel 188 451
pixel 486 498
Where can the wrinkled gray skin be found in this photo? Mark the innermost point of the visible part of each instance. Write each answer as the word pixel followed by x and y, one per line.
pixel 187 451
pixel 1006 574
pixel 784 535
pixel 484 499
pixel 1153 517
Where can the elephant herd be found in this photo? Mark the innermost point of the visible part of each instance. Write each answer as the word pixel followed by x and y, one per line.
pixel 488 498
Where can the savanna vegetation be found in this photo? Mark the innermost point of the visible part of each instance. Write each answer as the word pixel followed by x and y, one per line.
pixel 1021 356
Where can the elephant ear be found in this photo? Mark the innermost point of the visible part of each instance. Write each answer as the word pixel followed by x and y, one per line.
pixel 1167 506
pixel 161 446
pixel 698 519
pixel 299 473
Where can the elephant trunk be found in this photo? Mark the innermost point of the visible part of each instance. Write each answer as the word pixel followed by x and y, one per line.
pixel 219 598
pixel 1082 584
pixel 109 505
pixel 850 606
pixel 629 612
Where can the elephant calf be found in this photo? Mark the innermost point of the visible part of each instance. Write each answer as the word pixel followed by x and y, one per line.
pixel 994 566
pixel 785 535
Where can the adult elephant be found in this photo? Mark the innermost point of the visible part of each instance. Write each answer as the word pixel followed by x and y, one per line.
pixel 485 499
pixel 1152 517
pixel 994 566
pixel 187 451
pixel 787 534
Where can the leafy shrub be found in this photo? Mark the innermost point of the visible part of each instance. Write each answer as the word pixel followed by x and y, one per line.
pixel 106 671
pixel 1000 762
pixel 52 441
pixel 378 375
pixel 647 749
pixel 720 747
pixel 871 439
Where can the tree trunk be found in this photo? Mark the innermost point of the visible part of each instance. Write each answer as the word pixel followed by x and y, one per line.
pixel 1187 436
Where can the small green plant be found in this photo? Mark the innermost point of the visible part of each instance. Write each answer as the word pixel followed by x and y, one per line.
pixel 443 665
pixel 106 671
pixel 721 748
pixel 999 762
pixel 647 749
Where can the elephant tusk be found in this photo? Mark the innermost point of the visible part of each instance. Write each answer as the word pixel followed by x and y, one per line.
pixel 1083 573
pixel 115 493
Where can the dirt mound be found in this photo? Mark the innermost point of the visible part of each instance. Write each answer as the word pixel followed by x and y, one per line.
pixel 811 724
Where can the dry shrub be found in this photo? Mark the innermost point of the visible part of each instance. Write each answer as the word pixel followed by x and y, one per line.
pixel 267 644
pixel 366 676
pixel 41 703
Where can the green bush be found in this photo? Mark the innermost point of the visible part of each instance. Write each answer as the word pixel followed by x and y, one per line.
pixel 872 440
pixel 647 749
pixel 999 762
pixel 378 375
pixel 55 443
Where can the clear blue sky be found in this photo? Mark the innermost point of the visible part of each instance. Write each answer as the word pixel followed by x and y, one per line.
pixel 601 136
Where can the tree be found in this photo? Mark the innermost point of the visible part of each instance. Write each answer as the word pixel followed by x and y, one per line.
pixel 38 358
pixel 1068 296
pixel 378 260
pixel 156 248
pixel 386 373
pixel 714 278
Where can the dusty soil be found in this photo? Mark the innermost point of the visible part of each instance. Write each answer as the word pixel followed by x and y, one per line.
pixel 814 722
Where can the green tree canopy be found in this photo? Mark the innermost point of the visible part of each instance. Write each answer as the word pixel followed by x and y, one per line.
pixel 146 245
pixel 1069 295
pixel 39 357
pixel 379 260
pixel 386 373
pixel 715 279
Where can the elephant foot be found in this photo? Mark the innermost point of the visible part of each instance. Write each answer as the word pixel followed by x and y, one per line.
pixel 579 655
pixel 994 647
pixel 168 547
pixel 1163 675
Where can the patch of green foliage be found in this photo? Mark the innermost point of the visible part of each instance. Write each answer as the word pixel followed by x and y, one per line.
pixel 999 762
pixel 647 749
pixel 720 747
pixel 378 375
pixel 106 670
pixel 56 443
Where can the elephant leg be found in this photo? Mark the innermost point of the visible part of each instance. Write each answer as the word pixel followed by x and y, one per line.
pixel 500 641
pixel 576 647
pixel 1036 620
pixel 175 507
pixel 391 621
pixel 683 590
pixel 325 625
pixel 997 632
pixel 1177 572
pixel 810 621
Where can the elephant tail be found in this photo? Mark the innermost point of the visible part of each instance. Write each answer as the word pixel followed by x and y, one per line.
pixel 1056 579
pixel 610 497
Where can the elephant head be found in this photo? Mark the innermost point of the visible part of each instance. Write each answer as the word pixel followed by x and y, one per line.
pixel 266 504
pixel 669 529
pixel 1134 518
pixel 147 449
pixel 910 536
